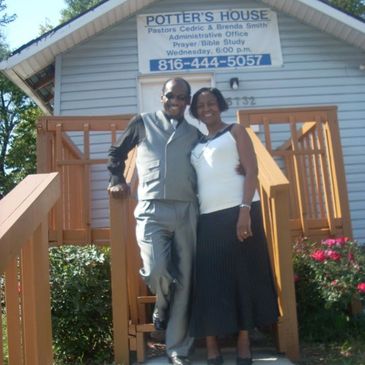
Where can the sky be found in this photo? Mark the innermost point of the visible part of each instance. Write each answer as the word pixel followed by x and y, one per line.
pixel 30 14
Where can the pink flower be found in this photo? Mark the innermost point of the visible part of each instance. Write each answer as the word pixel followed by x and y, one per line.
pixel 351 257
pixel 329 242
pixel 361 287
pixel 341 240
pixel 334 282
pixel 296 278
pixel 318 255
pixel 332 255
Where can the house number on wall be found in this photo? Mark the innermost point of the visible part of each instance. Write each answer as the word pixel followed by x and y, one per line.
pixel 241 101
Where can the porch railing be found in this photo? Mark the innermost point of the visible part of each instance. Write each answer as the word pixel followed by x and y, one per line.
pixel 24 270
pixel 305 142
pixel 70 221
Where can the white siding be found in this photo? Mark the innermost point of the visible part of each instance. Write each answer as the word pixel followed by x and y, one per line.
pixel 99 78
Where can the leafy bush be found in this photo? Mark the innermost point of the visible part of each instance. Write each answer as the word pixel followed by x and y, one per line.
pixel 81 304
pixel 329 275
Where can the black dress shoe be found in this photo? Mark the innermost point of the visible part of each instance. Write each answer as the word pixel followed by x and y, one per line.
pixel 160 324
pixel 179 360
pixel 244 360
pixel 215 360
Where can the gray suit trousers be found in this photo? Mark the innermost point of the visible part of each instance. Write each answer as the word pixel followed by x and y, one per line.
pixel 166 234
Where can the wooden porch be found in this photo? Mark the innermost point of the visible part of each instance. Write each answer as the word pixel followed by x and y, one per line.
pixel 303 192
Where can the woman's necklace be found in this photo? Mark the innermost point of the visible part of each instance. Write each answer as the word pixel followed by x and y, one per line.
pixel 209 138
pixel 213 134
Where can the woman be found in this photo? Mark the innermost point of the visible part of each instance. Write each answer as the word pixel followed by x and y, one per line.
pixel 234 290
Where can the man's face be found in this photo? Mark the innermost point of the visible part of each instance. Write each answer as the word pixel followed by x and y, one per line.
pixel 175 99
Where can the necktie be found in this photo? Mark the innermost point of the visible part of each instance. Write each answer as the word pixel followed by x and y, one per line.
pixel 174 123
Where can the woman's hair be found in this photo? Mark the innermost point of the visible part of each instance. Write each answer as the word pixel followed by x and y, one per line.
pixel 222 104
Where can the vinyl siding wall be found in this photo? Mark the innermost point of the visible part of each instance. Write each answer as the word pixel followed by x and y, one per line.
pixel 99 77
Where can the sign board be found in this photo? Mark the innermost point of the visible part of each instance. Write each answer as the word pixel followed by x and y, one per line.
pixel 206 40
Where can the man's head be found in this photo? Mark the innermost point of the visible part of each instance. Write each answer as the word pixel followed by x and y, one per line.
pixel 175 97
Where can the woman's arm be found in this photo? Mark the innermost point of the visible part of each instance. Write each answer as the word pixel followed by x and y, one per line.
pixel 248 161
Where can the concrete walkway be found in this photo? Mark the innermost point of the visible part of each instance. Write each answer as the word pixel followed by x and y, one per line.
pixel 261 356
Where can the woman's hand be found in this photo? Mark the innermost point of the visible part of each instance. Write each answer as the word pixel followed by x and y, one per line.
pixel 244 224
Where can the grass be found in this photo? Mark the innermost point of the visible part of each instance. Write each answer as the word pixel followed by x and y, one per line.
pixel 349 352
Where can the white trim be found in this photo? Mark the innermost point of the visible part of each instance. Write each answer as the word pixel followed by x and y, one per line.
pixel 57 87
pixel 62 32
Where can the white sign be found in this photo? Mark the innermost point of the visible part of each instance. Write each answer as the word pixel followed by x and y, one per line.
pixel 213 39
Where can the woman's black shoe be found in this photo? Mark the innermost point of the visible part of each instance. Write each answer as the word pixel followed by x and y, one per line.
pixel 244 360
pixel 215 360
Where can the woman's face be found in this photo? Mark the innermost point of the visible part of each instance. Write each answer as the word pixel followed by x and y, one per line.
pixel 207 108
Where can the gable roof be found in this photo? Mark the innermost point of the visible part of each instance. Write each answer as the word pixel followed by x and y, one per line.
pixel 31 67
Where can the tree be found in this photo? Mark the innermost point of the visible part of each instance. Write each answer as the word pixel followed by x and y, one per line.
pixel 77 7
pixel 17 120
pixel 4 19
pixel 18 115
pixel 354 7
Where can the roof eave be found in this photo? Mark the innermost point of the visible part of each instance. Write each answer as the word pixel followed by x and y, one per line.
pixel 11 75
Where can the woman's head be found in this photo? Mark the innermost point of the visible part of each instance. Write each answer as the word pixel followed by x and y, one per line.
pixel 217 96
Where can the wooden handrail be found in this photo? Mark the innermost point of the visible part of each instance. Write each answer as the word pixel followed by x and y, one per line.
pixel 25 262
pixel 270 176
pixel 274 189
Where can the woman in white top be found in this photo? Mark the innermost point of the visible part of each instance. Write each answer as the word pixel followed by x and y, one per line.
pixel 234 289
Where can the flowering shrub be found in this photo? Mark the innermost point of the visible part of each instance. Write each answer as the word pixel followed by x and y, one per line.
pixel 329 275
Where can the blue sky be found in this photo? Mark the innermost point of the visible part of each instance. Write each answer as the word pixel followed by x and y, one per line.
pixel 30 14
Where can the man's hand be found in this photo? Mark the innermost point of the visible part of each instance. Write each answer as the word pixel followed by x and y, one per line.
pixel 120 191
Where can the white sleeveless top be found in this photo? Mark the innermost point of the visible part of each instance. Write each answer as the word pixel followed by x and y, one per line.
pixel 219 185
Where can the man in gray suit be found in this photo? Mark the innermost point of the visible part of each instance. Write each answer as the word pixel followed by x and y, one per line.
pixel 166 213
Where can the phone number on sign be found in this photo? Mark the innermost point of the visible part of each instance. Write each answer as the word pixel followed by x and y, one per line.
pixel 186 63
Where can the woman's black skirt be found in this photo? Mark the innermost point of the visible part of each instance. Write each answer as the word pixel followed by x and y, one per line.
pixel 234 288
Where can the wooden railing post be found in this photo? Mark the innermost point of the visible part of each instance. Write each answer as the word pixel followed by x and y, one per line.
pixel 13 303
pixel 43 153
pixel 288 340
pixel 36 298
pixel 336 164
pixel 118 242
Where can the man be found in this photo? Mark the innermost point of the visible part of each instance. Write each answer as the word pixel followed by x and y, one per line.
pixel 166 213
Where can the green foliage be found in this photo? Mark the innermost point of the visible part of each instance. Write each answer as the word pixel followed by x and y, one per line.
pixel 354 7
pixel 81 304
pixel 17 127
pixel 329 275
pixel 77 7
pixel 5 338
pixel 5 18
pixel 21 157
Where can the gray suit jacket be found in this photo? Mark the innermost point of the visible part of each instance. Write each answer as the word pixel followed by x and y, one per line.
pixel 163 160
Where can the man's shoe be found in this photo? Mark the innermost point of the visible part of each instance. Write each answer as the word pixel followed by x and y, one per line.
pixel 179 360
pixel 160 324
